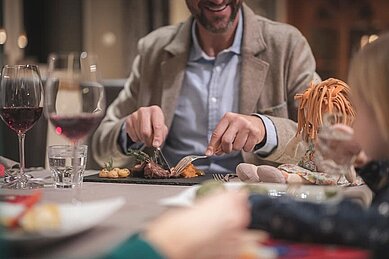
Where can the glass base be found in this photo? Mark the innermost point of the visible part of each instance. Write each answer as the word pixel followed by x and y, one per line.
pixel 21 182
pixel 22 185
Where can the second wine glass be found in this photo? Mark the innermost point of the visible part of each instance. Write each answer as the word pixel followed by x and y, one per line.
pixel 74 100
pixel 21 104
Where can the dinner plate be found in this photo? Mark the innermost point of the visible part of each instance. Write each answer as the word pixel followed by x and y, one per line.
pixel 312 193
pixel 74 218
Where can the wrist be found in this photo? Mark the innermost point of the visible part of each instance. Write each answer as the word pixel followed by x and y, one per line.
pixel 262 132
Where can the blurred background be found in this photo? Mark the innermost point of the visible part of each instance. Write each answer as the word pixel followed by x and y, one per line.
pixel 31 29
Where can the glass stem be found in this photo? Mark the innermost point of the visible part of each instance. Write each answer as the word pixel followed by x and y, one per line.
pixel 21 137
pixel 76 163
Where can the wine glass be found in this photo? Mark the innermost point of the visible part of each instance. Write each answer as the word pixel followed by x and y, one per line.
pixel 335 148
pixel 21 105
pixel 74 99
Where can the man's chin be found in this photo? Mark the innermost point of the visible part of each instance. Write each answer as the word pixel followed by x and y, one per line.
pixel 218 29
pixel 216 26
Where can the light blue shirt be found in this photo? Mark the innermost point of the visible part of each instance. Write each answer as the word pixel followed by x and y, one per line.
pixel 210 89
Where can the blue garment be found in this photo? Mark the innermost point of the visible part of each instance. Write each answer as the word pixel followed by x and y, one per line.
pixel 346 223
pixel 210 89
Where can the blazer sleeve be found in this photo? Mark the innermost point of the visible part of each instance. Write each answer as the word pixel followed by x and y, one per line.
pixel 299 72
pixel 105 142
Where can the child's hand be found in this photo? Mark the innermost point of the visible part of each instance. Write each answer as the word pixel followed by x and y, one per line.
pixel 338 144
pixel 203 230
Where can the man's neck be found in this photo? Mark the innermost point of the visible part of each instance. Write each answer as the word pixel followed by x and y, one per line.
pixel 213 43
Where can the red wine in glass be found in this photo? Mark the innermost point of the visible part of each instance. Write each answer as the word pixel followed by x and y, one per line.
pixel 20 119
pixel 21 104
pixel 74 98
pixel 75 127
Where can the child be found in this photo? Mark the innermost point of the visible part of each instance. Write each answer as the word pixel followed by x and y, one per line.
pixel 347 222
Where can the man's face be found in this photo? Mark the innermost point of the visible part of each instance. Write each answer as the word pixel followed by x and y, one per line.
pixel 214 15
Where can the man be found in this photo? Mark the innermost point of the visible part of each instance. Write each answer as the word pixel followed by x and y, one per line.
pixel 221 83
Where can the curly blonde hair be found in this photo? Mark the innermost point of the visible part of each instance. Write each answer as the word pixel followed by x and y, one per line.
pixel 329 96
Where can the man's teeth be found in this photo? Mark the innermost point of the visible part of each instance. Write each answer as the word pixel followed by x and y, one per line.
pixel 217 8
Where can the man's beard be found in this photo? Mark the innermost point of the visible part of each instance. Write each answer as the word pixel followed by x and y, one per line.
pixel 212 26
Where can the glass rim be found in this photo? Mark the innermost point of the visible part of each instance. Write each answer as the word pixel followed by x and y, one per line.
pixel 67 145
pixel 66 54
pixel 20 66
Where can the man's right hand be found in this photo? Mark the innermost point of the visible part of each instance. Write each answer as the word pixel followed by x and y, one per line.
pixel 147 125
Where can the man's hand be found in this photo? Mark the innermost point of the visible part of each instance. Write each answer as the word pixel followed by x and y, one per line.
pixel 147 125
pixel 236 132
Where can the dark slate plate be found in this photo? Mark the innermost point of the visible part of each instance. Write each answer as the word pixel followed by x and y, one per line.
pixel 141 180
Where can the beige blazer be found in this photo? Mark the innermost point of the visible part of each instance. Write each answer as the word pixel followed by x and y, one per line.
pixel 277 63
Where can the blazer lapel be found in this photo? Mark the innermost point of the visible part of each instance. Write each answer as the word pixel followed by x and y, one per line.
pixel 254 70
pixel 173 70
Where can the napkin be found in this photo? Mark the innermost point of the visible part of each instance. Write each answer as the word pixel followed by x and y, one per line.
pixel 5 164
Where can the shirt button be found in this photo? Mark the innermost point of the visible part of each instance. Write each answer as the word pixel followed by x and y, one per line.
pixel 218 69
pixel 214 99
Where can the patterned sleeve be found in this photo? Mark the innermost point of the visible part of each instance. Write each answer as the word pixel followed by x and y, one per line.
pixel 376 175
pixel 344 223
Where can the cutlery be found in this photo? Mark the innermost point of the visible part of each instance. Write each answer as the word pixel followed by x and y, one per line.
pixel 184 162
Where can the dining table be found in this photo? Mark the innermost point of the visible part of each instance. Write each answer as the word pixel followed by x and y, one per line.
pixel 142 205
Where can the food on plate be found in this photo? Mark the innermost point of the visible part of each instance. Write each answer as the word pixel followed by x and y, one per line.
pixel 209 187
pixel 330 193
pixel 255 188
pixel 149 167
pixel 191 171
pixel 109 172
pixel 45 217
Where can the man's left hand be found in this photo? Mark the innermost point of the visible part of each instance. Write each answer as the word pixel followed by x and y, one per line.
pixel 236 132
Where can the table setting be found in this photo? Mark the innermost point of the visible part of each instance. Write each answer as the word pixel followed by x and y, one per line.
pixel 67 205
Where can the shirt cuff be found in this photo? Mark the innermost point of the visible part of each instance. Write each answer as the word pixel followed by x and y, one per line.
pixel 125 142
pixel 271 141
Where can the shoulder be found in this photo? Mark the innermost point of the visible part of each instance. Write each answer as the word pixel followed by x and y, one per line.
pixel 159 38
pixel 277 32
pixel 275 38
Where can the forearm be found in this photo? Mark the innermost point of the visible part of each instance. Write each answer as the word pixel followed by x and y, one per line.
pixel 105 145
pixel 289 148
pixel 105 139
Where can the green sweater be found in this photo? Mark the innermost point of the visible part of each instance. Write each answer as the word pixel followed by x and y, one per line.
pixel 135 247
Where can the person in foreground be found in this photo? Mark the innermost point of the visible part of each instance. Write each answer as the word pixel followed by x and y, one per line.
pixel 222 82
pixel 206 230
pixel 347 222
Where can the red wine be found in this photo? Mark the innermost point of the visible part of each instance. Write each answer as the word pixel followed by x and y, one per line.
pixel 20 119
pixel 75 127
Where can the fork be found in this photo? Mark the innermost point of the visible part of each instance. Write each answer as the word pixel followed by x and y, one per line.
pixel 223 178
pixel 220 178
pixel 184 162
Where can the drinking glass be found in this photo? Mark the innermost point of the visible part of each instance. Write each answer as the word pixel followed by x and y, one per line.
pixel 334 147
pixel 61 165
pixel 21 105
pixel 74 97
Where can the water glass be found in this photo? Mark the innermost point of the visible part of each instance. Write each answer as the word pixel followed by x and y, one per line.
pixel 62 163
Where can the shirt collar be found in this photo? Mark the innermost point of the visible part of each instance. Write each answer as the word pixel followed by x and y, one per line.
pixel 197 53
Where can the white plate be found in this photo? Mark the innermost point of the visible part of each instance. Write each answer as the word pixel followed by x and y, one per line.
pixel 312 193
pixel 74 218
